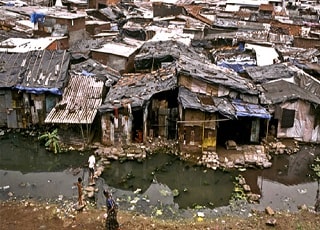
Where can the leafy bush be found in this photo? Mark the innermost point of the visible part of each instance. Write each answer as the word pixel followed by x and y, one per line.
pixel 52 141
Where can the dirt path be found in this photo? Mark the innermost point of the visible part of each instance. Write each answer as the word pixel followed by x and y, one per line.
pixel 31 215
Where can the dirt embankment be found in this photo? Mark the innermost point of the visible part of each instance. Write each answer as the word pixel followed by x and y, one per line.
pixel 33 215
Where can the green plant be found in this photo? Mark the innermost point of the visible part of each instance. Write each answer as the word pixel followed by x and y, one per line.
pixel 52 141
pixel 238 191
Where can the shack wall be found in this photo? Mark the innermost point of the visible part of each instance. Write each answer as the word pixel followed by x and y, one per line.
pixel 197 132
pixel 304 127
pixel 198 86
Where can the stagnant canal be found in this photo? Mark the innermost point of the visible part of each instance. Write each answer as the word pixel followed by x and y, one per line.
pixel 28 170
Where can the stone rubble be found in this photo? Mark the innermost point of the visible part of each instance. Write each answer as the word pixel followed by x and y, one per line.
pixel 258 156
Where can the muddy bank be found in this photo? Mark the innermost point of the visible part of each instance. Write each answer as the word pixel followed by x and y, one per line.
pixel 47 216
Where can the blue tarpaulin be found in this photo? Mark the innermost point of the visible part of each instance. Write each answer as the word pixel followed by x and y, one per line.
pixel 39 90
pixel 37 17
pixel 238 67
pixel 86 73
pixel 250 110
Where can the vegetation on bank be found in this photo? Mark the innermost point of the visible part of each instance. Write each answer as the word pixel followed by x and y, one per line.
pixel 51 141
pixel 316 167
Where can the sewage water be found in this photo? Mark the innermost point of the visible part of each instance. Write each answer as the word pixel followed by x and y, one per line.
pixel 30 171
pixel 196 185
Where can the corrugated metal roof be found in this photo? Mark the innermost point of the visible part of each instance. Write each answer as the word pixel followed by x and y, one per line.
pixel 80 102
pixel 35 71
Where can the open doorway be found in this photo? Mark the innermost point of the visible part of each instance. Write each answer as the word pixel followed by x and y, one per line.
pixel 137 126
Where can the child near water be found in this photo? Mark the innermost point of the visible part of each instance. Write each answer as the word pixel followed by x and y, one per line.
pixel 79 185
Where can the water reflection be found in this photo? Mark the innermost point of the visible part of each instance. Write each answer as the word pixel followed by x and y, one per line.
pixel 199 186
pixel 39 185
pixel 32 171
pixel 287 197
pixel 289 183
pixel 26 154
pixel 196 185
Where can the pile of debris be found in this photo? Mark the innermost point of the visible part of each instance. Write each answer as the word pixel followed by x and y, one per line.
pixel 256 155
pixel 210 160
pixel 132 152
pixel 277 147
pixel 135 151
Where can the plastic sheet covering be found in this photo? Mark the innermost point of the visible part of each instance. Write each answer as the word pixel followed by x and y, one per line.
pixel 39 90
pixel 238 67
pixel 35 71
pixel 250 110
pixel 37 17
pixel 224 106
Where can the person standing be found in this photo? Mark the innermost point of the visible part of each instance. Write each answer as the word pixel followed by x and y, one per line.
pixel 92 163
pixel 79 185
pixel 111 220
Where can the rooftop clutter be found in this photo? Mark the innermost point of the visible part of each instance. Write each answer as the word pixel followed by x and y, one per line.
pixel 199 73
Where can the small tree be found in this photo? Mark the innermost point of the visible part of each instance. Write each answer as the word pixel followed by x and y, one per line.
pixel 52 141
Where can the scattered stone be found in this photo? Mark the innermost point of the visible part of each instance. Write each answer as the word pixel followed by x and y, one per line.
pixel 303 207
pixel 269 211
pixel 231 144
pixel 22 184
pixel 252 197
pixel 246 188
pixel 200 214
pixel 138 190
pixel 6 187
pixel 90 194
pixel 242 180
pixel 267 164
pixel 271 222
